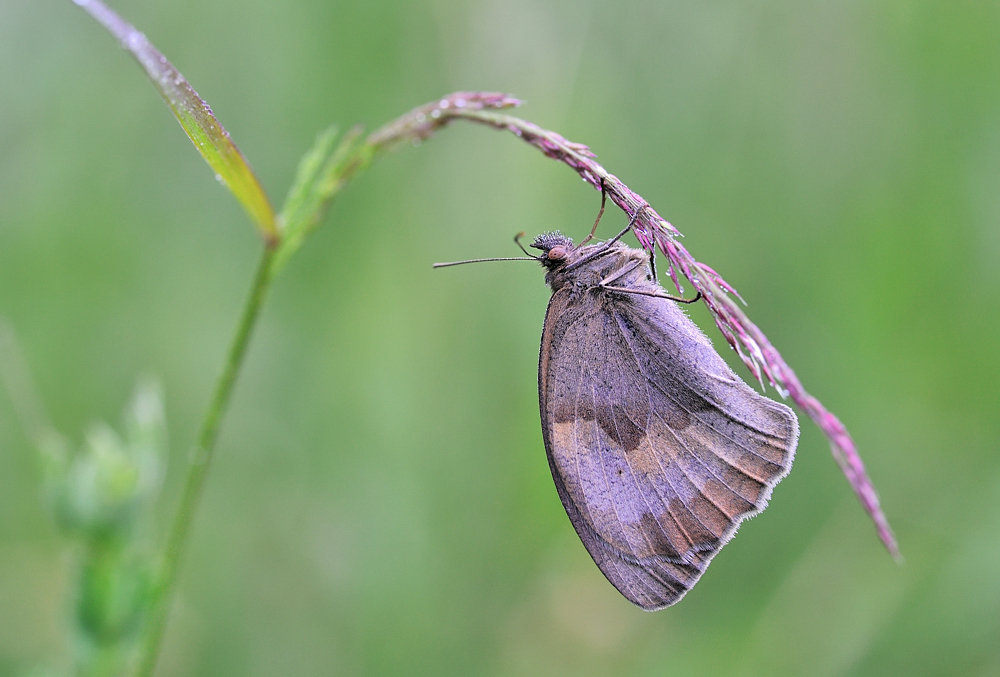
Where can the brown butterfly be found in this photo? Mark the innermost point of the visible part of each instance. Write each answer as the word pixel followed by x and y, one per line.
pixel 658 450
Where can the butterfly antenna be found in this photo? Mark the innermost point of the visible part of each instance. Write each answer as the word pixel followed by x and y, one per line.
pixel 517 241
pixel 502 258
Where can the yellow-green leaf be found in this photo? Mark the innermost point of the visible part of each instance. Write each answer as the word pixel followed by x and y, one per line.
pixel 209 137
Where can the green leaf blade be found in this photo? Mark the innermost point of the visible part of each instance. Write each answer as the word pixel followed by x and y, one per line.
pixel 195 116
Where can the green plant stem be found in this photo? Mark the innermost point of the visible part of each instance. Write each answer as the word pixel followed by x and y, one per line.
pixel 346 162
pixel 198 465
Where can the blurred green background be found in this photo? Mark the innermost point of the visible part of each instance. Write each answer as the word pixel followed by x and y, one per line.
pixel 381 502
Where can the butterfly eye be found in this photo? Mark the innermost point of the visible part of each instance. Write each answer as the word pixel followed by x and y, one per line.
pixel 557 253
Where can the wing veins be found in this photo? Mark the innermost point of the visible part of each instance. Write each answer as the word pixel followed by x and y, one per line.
pixel 690 453
pixel 604 471
pixel 725 412
pixel 710 470
pixel 656 490
pixel 576 457
pixel 699 418
pixel 692 545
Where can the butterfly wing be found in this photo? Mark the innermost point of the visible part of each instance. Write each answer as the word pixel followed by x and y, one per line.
pixel 658 450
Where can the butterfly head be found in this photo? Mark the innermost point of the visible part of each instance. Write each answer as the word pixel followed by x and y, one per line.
pixel 582 266
pixel 555 248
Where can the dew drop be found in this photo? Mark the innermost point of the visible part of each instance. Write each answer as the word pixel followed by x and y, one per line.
pixel 218 177
pixel 443 103
pixel 421 117
pixel 435 113
pixel 459 103
pixel 133 40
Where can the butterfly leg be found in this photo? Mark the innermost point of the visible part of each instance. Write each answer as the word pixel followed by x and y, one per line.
pixel 625 270
pixel 635 217
pixel 600 250
pixel 620 273
pixel 604 199
pixel 659 295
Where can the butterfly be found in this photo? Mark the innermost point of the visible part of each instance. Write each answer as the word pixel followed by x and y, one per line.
pixel 658 450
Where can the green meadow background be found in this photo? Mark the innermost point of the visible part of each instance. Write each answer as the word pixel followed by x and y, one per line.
pixel 381 503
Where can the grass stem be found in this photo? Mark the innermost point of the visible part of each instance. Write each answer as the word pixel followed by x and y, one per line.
pixel 197 470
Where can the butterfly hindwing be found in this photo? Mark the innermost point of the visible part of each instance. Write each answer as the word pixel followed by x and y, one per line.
pixel 657 448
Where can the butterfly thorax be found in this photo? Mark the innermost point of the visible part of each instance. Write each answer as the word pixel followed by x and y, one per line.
pixel 585 267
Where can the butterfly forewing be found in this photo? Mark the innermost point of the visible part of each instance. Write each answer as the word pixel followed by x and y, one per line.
pixel 657 448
